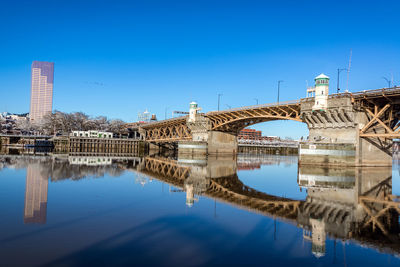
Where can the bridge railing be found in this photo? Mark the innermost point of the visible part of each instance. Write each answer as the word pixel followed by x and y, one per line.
pixel 162 121
pixel 361 94
pixel 283 103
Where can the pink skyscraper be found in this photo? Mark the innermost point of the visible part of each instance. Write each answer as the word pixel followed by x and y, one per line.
pixel 41 89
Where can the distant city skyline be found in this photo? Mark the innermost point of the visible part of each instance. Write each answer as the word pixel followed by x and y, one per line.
pixel 41 90
pixel 161 55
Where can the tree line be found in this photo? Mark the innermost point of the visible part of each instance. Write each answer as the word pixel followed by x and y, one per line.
pixel 63 123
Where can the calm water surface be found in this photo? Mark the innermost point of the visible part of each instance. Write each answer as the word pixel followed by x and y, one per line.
pixel 260 210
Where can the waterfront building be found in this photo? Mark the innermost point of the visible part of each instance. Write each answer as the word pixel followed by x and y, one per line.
pixel 41 89
pixel 249 134
pixel 144 117
pixel 92 134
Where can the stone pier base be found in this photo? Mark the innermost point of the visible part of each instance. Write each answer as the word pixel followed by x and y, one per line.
pixel 218 143
pixel 221 143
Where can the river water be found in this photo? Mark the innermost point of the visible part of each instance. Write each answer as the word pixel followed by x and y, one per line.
pixel 63 210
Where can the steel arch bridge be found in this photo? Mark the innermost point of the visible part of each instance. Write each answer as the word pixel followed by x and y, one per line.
pixel 381 107
pixel 230 121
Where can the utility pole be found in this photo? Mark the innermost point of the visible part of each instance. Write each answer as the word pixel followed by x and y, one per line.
pixel 279 86
pixel 219 97
pixel 228 106
pixel 338 76
pixel 256 99
pixel 387 80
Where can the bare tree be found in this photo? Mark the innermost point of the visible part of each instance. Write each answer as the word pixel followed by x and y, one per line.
pixel 60 122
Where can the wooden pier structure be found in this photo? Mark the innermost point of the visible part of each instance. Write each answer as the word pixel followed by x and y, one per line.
pixel 122 146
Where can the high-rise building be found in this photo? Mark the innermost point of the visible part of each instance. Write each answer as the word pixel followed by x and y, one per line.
pixel 35 195
pixel 41 89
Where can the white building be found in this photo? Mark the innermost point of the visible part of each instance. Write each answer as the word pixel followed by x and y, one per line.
pixel 92 134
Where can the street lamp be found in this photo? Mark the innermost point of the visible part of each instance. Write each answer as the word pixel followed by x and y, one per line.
pixel 256 99
pixel 279 86
pixel 219 97
pixel 388 81
pixel 338 76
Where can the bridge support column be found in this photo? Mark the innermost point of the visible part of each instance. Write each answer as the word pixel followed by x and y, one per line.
pixel 207 142
pixel 221 143
pixel 334 137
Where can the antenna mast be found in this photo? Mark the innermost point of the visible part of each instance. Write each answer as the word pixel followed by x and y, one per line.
pixel 392 80
pixel 348 71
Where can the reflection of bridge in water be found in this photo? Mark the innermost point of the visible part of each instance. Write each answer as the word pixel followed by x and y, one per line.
pixel 345 203
pixel 351 203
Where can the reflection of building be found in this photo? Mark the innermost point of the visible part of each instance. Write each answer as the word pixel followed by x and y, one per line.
pixel 89 161
pixel 41 89
pixel 35 195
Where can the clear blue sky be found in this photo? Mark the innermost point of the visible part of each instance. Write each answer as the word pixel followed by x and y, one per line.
pixel 117 58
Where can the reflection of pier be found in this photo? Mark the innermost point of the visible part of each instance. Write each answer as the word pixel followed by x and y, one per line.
pixel 35 195
pixel 350 203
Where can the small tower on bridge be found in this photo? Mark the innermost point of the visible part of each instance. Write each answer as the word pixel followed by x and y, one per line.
pixel 321 92
pixel 193 111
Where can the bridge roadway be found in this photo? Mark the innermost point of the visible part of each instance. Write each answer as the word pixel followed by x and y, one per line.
pixel 380 106
pixel 379 227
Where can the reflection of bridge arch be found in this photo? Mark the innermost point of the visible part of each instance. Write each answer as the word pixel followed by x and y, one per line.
pixel 227 189
pixel 379 227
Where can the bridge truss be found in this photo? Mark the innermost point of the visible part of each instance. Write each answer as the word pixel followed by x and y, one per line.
pixel 234 120
pixel 382 108
pixel 231 121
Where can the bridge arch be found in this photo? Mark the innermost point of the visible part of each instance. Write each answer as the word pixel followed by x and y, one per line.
pixel 236 119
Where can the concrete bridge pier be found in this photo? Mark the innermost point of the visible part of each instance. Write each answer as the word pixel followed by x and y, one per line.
pixel 334 137
pixel 205 141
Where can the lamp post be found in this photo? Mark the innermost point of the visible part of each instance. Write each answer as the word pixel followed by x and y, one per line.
pixel 338 76
pixel 219 97
pixel 256 99
pixel 279 86
pixel 388 81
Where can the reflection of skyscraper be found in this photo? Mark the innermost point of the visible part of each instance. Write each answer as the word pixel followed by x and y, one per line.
pixel 41 89
pixel 35 195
